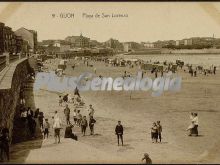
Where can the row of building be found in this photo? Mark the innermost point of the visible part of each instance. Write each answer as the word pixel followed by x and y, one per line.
pixel 188 43
pixel 20 41
pixel 82 42
pixel 77 44
pixel 199 42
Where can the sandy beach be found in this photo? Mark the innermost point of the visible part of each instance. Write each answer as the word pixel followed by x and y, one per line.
pixel 138 110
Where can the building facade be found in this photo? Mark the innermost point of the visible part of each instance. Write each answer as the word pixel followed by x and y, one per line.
pixel 78 41
pixel 9 41
pixel 30 36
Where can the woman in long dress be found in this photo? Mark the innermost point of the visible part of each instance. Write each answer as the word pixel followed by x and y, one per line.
pixel 192 123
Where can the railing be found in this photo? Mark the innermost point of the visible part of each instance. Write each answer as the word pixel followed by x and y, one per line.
pixel 2 62
pixel 6 59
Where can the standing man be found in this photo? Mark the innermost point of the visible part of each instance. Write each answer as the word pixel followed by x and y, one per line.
pixel 159 130
pixel 119 132
pixel 67 114
pixel 92 122
pixel 91 111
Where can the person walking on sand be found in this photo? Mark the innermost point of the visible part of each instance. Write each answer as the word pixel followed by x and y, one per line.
pixel 84 125
pixel 57 126
pixel 147 159
pixel 119 132
pixel 92 122
pixel 67 114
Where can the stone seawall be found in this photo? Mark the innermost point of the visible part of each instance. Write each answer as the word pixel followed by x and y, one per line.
pixel 11 79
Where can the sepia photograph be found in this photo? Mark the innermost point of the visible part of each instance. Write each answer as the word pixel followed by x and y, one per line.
pixel 109 82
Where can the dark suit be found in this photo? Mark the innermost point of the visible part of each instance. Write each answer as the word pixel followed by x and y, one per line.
pixel 119 132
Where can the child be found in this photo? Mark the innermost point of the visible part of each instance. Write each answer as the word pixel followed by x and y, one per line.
pixel 46 128
pixel 60 101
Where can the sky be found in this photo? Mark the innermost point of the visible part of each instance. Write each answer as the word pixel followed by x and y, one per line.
pixel 146 21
